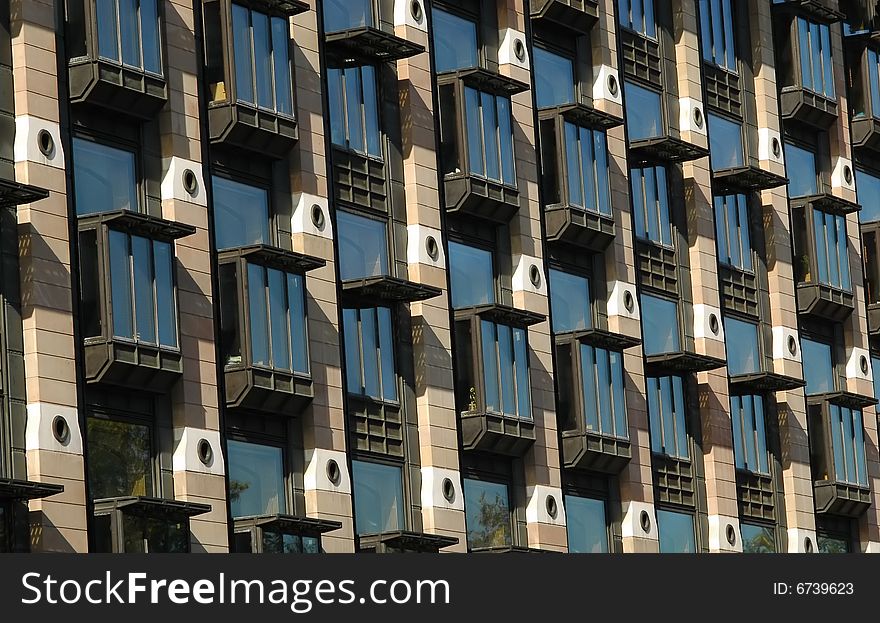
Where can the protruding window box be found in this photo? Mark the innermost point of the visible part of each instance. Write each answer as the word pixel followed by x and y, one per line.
pixel 745 179
pixel 874 319
pixel 682 362
pixel 799 104
pixel 264 328
pixel 365 45
pixel 385 289
pixel 405 541
pixel 281 533
pixel 249 74
pixel 825 301
pixel 592 400
pixel 837 449
pixel 825 11
pixel 664 150
pixel 577 15
pixel 144 525
pixel 493 378
pixel 14 193
pixel 129 299
pixel 14 514
pixel 760 382
pixel 866 133
pixel 583 115
pixel 116 51
pixel 479 174
pixel 826 202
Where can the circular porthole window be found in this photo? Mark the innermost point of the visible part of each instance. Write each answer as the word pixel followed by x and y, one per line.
pixel 45 143
pixel 205 452
pixel 731 534
pixel 629 303
pixel 714 325
pixel 698 117
pixel 645 521
pixel 519 50
pixel 775 147
pixel 61 430
pixel 808 545
pixel 190 182
pixel 863 364
pixel 612 85
pixel 334 474
pixel 552 507
pixel 792 345
pixel 432 248
pixel 318 217
pixel 415 9
pixel 448 490
pixel 535 275
pixel 847 175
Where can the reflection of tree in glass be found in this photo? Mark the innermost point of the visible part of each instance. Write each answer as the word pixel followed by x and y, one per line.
pixel 236 488
pixel 149 535
pixel 120 459
pixel 493 526
pixel 832 546
pixel 761 543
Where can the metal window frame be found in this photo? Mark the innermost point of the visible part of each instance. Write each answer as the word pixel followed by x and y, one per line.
pixel 157 509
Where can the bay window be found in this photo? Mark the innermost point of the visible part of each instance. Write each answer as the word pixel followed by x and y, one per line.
pixel 816 65
pixel 650 202
pixel 586 163
pixel 504 360
pixel 369 353
pixel 848 442
pixel 128 33
pixel 489 136
pixel 638 16
pixel 668 416
pixel 362 31
pixel 717 33
pixel 749 435
pixel 732 231
pixel 276 307
pixel 354 109
pixel 262 60
pixel 832 256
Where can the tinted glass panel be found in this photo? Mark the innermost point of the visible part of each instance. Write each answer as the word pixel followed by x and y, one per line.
pixel 749 436
pixel 165 303
pixel 676 532
pixel 487 514
pixel 758 539
pixel 637 15
pixel 716 29
pixel 819 375
pixel 643 112
pixel 800 167
pixel 243 54
pixel 668 416
pixel 142 264
pixel 586 163
pixel 256 479
pixel 378 497
pixel 472 275
pixel 587 530
pixel 868 188
pixel 650 202
pixel 108 37
pixel 603 391
pixel 732 231
pixel 455 41
pixel 120 458
pixel 725 144
pixel 105 178
pixel 660 325
pixel 743 352
pixel 241 214
pixel 554 78
pixel 363 246
pixel 570 300
pixel 120 284
pixel 344 14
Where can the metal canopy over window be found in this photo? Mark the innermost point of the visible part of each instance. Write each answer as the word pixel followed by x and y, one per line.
pixel 357 32
pixel 576 15
pixel 144 525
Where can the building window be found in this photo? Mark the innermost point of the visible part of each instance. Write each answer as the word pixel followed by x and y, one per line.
pixel 637 15
pixel 455 41
pixel 586 523
pixel 262 60
pixel 570 302
pixel 472 276
pixel 120 458
pixel 717 28
pixel 603 391
pixel 490 136
pixel 487 514
pixel 749 437
pixel 814 41
pixel 758 539
pixel 832 256
pixel 643 111
pixel 505 366
pixel 142 289
pixel 667 413
pixel 875 372
pixel 586 163
pixel 128 33
pixel 743 348
pixel 276 302
pixel 803 175
pixel 676 532
pixel 873 88
pixel 554 78
pixel 5 528
pixel 256 479
pixel 651 205
pixel 363 246
pixel 105 178
pixel 378 497
pixel 732 231
pixel 848 441
pixel 369 353
pixel 819 375
pixel 868 189
pixel 660 325
pixel 832 545
pixel 241 214
pixel 345 14
pixel 725 143
pixel 354 109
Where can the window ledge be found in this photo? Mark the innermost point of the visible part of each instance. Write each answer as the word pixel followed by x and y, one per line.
pixel 383 288
pixel 14 193
pixel 664 149
pixel 13 489
pixel 577 15
pixel 501 314
pixel 746 179
pixel 838 498
pixel 589 450
pixel 256 130
pixel 506 435
pixel 173 510
pixel 847 399
pixel 764 382
pixel 583 115
pixel 276 392
pixel 283 8
pixel 469 194
pixel 579 227
pixel 288 524
pixel 366 44
pixel 484 80
pixel 407 541
pixel 866 133
pixel 826 202
pixel 824 11
pixel 824 301
pixel 874 319
pixel 600 338
pixel 798 103
pixel 274 257
pixel 126 363
pixel 681 362
pixel 127 90
pixel 139 224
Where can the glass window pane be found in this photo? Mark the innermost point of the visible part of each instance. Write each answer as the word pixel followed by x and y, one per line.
pixel 278 319
pixel 244 79
pixel 505 362
pixel 729 46
pixel 653 388
pixel 588 161
pixel 837 443
pixel 108 40
pixel 371 111
pixel 363 246
pixel 472 275
pixel 573 166
pixel 736 418
pixel 640 206
pixel 748 415
pixel 861 475
pixel 570 302
pixel 241 214
pixel 676 531
pixel 842 249
pixel 822 257
pixel 725 144
pixel 681 440
pixel 487 514
pixel 588 376
pixel 743 350
pixel 258 315
pixel 521 361
pixel 832 545
pixel 805 53
pixel 455 41
pixel 263 60
pixel 474 131
pixel 745 244
pixel 600 149
pixel 848 449
pixel 378 497
pixel 587 530
pixel 336 101
pixel 505 136
pixel 105 178
pixel 299 339
pixel 370 352
pixel 874 81
pixel 722 229
pixel 490 135
pixel 490 365
pixel 663 199
pixel 706 31
pixel 281 57
pixel 761 435
pixel 120 285
pixel 352 342
pixel 145 302
pixel 660 325
pixel 619 392
pixel 718 29
pixel 120 458
pixel 150 36
pixel 643 112
pixel 128 32
pixel 758 539
pixel 603 374
pixel 868 189
pixel 827 65
pixel 554 78
pixel 668 413
pixel 256 479
pixel 386 354
pixel 166 304
pixel 819 375
pixel 344 14
pixel 354 115
pixel 652 205
pixel 800 166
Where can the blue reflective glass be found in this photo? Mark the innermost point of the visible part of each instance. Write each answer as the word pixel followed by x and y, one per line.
pixel 378 497
pixel 554 78
pixel 256 479
pixel 800 166
pixel 258 315
pixel 281 66
pixel 660 325
pixel 105 178
pixel 455 41
pixel 570 302
pixel 725 143
pixel 743 350
pixel 299 339
pixel 643 112
pixel 487 514
pixel 345 14
pixel 676 532
pixel 386 354
pixel 490 366
pixel 868 188
pixel 108 37
pixel 278 319
pixel 586 523
pixel 351 341
pixel 150 36
pixel 120 284
pixel 241 214
pixel 241 47
pixel 757 539
pixel 129 34
pixel 145 301
pixel 263 60
pixel 363 246
pixel 819 375
pixel 163 260
pixel 472 275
